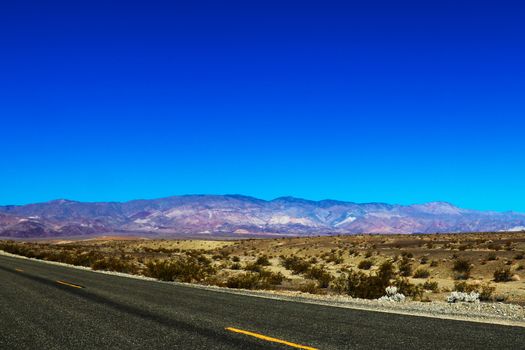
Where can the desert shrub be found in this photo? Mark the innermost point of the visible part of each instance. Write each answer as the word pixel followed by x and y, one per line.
pixel 295 264
pixel 269 279
pixel 320 274
pixel 353 252
pixel 368 254
pixel 502 275
pixel 236 259
pixel 360 285
pixel 309 287
pixel 253 267
pixel 434 263
pixel 421 273
pixel 113 264
pixel 333 258
pixel 405 267
pixel 408 289
pixel 423 260
pixel 340 284
pixel 462 269
pixel 431 285
pixel 465 287
pixel 492 257
pixel 183 269
pixel 263 261
pixel 493 246
pixel 246 280
pixel 365 264
pixel 236 266
pixel 407 255
pixel 392 295
pixel 486 291
pixel 519 256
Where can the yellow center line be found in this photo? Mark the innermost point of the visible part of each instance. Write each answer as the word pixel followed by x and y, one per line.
pixel 19 270
pixel 270 339
pixel 69 284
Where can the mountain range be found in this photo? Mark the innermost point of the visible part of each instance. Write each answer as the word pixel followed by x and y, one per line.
pixel 236 215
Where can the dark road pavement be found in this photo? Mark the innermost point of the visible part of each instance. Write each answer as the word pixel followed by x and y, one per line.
pixel 44 306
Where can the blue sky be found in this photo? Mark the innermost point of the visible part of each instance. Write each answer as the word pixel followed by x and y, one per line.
pixel 398 102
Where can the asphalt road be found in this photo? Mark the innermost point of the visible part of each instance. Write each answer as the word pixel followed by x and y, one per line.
pixel 42 307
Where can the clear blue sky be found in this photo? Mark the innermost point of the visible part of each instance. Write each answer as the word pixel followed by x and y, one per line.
pixel 392 101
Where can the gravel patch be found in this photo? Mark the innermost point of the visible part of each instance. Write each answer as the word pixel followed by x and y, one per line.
pixel 498 313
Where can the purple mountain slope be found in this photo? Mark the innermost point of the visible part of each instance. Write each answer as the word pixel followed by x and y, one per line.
pixel 238 215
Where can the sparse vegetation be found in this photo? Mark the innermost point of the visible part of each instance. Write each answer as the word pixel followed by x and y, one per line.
pixel 328 265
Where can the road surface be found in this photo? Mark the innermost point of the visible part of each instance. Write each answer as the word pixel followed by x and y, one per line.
pixel 44 306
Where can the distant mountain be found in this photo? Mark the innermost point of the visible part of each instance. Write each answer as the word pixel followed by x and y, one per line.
pixel 194 215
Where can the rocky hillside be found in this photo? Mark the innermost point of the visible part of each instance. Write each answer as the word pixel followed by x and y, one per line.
pixel 234 214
